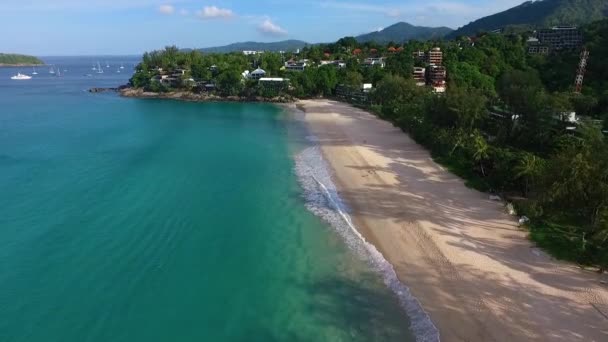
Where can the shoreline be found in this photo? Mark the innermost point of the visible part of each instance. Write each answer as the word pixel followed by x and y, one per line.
pixel 191 97
pixel 21 65
pixel 462 257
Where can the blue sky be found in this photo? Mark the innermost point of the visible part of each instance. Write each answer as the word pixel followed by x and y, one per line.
pixel 89 27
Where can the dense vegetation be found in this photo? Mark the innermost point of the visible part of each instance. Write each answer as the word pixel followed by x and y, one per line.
pixel 14 59
pixel 502 125
pixel 403 32
pixel 542 13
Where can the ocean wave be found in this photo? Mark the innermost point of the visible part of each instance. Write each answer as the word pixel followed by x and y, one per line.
pixel 322 199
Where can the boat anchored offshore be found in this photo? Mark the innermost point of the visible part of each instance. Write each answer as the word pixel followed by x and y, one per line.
pixel 21 77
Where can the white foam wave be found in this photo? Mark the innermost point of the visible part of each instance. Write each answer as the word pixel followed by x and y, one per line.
pixel 322 199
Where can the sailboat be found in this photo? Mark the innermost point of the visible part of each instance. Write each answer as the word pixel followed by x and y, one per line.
pixel 107 64
pixel 94 67
pixel 52 70
pixel 34 72
pixel 99 69
pixel 122 66
pixel 58 72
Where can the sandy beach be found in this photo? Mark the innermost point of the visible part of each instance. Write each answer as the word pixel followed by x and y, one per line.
pixel 471 267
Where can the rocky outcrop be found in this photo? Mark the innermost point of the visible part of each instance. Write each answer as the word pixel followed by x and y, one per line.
pixel 200 97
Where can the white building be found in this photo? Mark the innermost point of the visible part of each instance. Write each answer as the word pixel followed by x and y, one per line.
pixel 257 74
pixel 371 62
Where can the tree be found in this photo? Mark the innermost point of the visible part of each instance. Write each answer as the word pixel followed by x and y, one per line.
pixel 229 82
pixel 353 79
pixel 466 108
pixel 530 169
pixel 479 148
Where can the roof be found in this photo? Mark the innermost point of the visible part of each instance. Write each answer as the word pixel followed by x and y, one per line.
pixel 258 71
pixel 273 79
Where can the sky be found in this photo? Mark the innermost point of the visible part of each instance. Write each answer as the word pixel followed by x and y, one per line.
pixel 130 27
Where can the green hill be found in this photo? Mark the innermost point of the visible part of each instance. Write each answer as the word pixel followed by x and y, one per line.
pixel 541 13
pixel 285 45
pixel 403 32
pixel 14 59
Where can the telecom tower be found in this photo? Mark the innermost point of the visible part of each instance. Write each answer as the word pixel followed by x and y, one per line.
pixel 580 73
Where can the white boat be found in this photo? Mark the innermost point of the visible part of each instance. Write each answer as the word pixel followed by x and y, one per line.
pixel 51 70
pixel 107 65
pixel 118 71
pixel 34 71
pixel 58 72
pixel 21 77
pixel 122 66
pixel 99 69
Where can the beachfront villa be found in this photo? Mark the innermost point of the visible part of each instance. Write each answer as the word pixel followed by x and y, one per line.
pixel 257 74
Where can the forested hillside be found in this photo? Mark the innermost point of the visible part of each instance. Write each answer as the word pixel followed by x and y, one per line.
pixel 541 13
pixel 14 59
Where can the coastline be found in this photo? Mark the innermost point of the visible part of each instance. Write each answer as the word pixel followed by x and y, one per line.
pixel 20 65
pixel 192 97
pixel 462 257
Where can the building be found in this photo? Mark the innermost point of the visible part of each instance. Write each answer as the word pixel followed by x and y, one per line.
pixel 257 74
pixel 435 56
pixel 535 47
pixel 419 76
pixel 375 61
pixel 436 78
pixel 337 64
pixel 300 65
pixel 561 38
pixel 250 53
pixel 274 83
pixel 419 55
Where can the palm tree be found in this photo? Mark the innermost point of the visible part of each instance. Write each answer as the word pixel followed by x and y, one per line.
pixel 529 168
pixel 480 150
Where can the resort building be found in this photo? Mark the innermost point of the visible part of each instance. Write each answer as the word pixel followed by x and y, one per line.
pixel 561 38
pixel 300 65
pixel 435 56
pixel 419 76
pixel 536 48
pixel 257 74
pixel 337 64
pixel 250 53
pixel 419 55
pixel 436 76
pixel 375 61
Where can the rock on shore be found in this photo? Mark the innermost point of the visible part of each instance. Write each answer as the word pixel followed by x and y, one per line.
pixel 202 97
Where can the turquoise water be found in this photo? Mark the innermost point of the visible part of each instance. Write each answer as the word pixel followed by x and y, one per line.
pixel 148 220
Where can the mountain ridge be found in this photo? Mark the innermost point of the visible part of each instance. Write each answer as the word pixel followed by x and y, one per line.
pixel 402 32
pixel 537 14
pixel 284 45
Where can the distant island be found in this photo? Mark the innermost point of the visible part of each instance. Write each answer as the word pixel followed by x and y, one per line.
pixel 10 59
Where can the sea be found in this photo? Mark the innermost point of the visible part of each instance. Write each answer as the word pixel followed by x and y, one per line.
pixel 154 220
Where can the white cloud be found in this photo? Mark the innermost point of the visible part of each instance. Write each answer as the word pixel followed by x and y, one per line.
pixel 184 12
pixel 213 12
pixel 166 9
pixel 267 27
